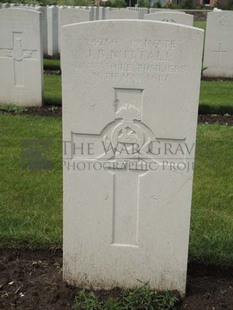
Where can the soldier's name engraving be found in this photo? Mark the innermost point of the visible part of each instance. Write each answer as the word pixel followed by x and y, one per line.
pixel 134 60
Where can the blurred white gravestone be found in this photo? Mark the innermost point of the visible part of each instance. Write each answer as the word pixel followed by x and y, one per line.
pixel 75 15
pixel 20 57
pixel 53 25
pixel 218 52
pixel 69 16
pixel 44 28
pixel 141 11
pixel 171 17
pixel 99 13
pixel 120 14
pixel 130 102
pixel 5 5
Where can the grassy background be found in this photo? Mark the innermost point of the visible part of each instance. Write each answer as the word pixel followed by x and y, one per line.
pixel 200 24
pixel 31 201
pixel 52 90
pixel 212 212
pixel 216 97
pixel 51 64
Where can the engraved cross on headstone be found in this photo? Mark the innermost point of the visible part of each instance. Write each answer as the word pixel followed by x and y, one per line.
pixel 128 156
pixel 222 19
pixel 219 52
pixel 127 137
pixel 18 53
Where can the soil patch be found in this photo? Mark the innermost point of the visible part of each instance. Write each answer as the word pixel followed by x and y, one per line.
pixel 33 280
pixel 216 78
pixel 217 119
pixel 51 111
pixel 55 111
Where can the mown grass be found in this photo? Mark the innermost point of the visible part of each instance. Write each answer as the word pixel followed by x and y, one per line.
pixel 212 213
pixel 140 298
pixel 216 97
pixel 51 64
pixel 52 90
pixel 31 200
pixel 200 24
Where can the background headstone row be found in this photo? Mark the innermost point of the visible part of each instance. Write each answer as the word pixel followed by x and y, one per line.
pixel 28 33
pixel 53 17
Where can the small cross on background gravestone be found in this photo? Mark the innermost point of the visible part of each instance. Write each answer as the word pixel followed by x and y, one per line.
pixel 220 52
pixel 18 54
pixel 222 20
pixel 21 62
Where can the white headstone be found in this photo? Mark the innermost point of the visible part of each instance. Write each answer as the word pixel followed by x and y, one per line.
pixel 92 10
pixel 52 22
pixel 141 11
pixel 99 13
pixel 43 11
pixel 153 10
pixel 130 103
pixel 120 14
pixel 218 52
pixel 72 16
pixel 21 63
pixel 44 28
pixel 171 17
pixel 5 5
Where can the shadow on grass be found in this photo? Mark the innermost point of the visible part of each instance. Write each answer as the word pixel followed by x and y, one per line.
pixel 52 102
pixel 215 109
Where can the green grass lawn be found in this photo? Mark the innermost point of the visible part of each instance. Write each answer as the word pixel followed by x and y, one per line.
pixel 212 213
pixel 200 24
pixel 31 201
pixel 51 64
pixel 215 96
pixel 52 90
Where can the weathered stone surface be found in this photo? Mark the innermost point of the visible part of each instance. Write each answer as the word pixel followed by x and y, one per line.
pixel 218 52
pixel 120 14
pixel 171 17
pixel 20 57
pixel 130 102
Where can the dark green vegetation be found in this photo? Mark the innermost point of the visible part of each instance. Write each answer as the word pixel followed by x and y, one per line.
pixel 216 97
pixel 52 90
pixel 51 64
pixel 141 298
